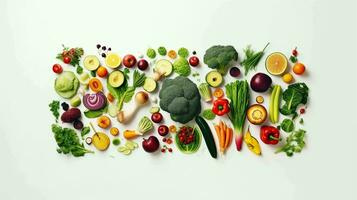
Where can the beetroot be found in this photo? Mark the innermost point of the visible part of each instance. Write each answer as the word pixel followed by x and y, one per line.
pixel 71 115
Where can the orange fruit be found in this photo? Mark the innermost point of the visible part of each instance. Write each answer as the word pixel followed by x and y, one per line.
pixel 114 131
pixel 103 121
pixel 299 68
pixel 172 54
pixel 102 72
pixel 276 63
pixel 288 78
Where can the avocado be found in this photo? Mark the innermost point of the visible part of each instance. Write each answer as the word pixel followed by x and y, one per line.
pixel 214 78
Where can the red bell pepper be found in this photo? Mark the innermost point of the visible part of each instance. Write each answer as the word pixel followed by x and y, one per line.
pixel 270 135
pixel 220 107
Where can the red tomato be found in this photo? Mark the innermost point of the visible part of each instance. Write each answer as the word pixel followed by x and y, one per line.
pixel 67 59
pixel 57 68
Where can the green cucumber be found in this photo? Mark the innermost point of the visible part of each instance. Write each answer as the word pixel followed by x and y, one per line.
pixel 207 135
pixel 276 104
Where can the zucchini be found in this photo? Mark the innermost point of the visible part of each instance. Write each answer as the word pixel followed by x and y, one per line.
pixel 271 105
pixel 207 135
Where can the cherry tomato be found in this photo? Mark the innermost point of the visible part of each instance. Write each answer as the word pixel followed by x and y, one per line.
pixel 57 68
pixel 302 110
pixel 67 59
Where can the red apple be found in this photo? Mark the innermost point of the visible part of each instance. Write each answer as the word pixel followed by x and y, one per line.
pixel 143 64
pixel 129 61
pixel 156 117
pixel 163 130
pixel 151 144
pixel 194 61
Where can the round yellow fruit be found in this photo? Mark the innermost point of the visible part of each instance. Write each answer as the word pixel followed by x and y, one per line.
pixel 101 141
pixel 276 63
pixel 113 60
pixel 288 78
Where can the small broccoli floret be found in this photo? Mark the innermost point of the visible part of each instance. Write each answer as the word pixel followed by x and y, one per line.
pixel 182 67
pixel 162 51
pixel 181 98
pixel 183 52
pixel 220 57
pixel 205 92
pixel 151 53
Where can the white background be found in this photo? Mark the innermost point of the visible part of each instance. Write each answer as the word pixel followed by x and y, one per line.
pixel 32 33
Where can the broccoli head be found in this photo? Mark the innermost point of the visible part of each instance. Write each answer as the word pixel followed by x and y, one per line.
pixel 181 98
pixel 182 67
pixel 220 57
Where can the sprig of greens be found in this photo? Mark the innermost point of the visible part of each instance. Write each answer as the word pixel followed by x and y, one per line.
pixel 54 108
pixel 294 143
pixel 252 58
pixel 68 141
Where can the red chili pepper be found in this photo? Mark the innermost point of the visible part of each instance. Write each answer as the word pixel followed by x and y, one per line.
pixel 220 107
pixel 270 135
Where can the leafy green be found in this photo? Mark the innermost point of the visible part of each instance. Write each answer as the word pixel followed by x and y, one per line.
pixel 295 95
pixel 151 53
pixel 138 79
pixel 294 143
pixel 293 59
pixel 238 93
pixel 79 69
pixel 162 51
pixel 85 131
pixel 287 125
pixel 125 93
pixel 251 59
pixel 208 114
pixel 68 141
pixel 54 108
pixel 95 113
pixel 183 52
pixel 301 121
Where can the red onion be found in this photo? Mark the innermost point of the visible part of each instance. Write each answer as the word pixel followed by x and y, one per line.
pixel 95 101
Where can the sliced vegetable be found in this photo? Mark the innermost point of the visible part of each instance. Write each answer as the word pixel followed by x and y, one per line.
pixel 214 79
pixel 150 85
pixel 218 93
pixel 257 114
pixel 95 85
pixel 95 101
pixel 154 109
pixel 205 92
pixel 145 125
pixel 259 99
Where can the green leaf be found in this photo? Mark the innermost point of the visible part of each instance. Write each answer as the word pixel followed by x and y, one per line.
pixel 95 113
pixel 129 93
pixel 85 131
pixel 287 125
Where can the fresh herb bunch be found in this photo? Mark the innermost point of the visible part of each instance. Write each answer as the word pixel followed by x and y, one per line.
pixel 54 108
pixel 68 141
pixel 74 54
pixel 252 58
pixel 238 94
pixel 294 143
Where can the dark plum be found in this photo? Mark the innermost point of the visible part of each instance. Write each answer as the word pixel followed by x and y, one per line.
pixel 260 82
pixel 234 72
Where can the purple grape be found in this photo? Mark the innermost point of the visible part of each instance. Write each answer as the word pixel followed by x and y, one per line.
pixel 234 72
